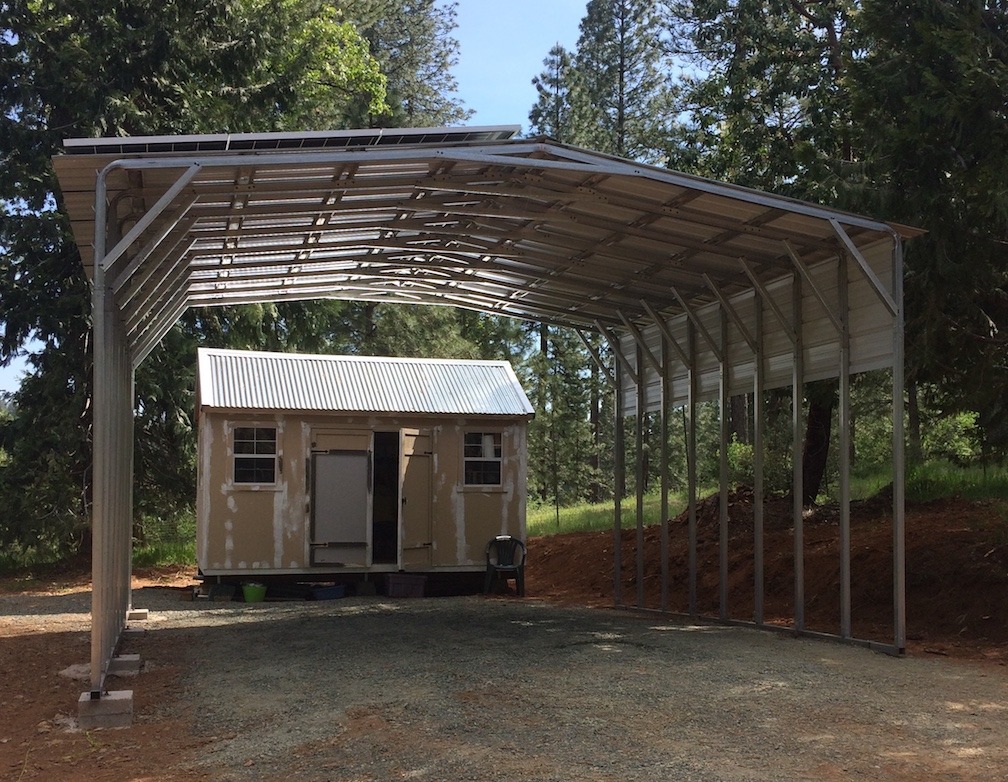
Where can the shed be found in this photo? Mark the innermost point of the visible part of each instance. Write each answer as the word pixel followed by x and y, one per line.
pixel 311 465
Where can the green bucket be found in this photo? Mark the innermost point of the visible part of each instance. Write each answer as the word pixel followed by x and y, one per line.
pixel 254 593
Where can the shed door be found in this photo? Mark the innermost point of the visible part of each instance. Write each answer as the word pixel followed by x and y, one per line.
pixel 340 507
pixel 417 480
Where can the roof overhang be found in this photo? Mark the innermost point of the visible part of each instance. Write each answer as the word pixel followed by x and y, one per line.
pixel 467 217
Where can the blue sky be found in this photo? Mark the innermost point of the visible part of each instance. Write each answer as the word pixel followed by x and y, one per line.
pixel 501 47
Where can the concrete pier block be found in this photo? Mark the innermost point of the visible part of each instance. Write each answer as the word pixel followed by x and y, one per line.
pixel 113 710
pixel 137 615
pixel 124 665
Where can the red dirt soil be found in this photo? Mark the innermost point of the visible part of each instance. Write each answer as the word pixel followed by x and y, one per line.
pixel 956 570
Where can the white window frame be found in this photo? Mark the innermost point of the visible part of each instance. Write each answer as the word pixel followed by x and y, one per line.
pixel 490 439
pixel 272 458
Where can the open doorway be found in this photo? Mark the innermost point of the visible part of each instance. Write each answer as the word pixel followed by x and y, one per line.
pixel 385 498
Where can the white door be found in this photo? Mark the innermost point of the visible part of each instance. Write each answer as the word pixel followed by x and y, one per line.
pixel 340 508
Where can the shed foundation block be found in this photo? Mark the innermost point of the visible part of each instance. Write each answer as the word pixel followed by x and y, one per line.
pixel 137 615
pixel 125 665
pixel 113 710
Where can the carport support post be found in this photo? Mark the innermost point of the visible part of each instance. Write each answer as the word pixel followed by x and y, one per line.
pixel 723 411
pixel 112 438
pixel 666 393
pixel 899 453
pixel 691 468
pixel 844 450
pixel 619 479
pixel 639 488
pixel 798 478
pixel 758 431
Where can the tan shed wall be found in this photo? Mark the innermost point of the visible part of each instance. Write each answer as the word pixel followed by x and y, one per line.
pixel 252 528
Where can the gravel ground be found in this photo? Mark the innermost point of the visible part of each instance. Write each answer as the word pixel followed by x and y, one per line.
pixel 503 689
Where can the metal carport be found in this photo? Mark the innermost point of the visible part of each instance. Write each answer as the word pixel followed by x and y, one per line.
pixel 703 289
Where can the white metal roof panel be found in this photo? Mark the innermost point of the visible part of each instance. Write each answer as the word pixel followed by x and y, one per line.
pixel 254 380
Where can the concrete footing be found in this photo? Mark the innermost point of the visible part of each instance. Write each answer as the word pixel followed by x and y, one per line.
pixel 114 709
pixel 137 615
pixel 124 665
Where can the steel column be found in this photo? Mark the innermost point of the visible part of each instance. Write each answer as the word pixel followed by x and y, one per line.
pixel 691 469
pixel 666 392
pixel 639 472
pixel 759 428
pixel 843 446
pixel 723 478
pixel 112 469
pixel 619 480
pixel 797 484
pixel 899 455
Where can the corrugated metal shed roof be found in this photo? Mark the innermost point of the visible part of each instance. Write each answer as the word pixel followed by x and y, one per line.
pixel 251 380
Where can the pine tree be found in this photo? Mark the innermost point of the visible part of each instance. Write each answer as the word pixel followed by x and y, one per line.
pixel 930 96
pixel 623 101
pixel 551 114
pixel 414 44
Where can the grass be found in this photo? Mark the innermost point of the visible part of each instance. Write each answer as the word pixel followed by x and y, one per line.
pixel 933 480
pixel 592 517
pixel 165 552
pixel 926 482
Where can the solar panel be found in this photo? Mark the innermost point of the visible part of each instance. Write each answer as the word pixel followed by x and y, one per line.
pixel 266 142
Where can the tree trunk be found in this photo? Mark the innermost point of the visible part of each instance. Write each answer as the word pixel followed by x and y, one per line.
pixel 739 418
pixel 915 450
pixel 822 398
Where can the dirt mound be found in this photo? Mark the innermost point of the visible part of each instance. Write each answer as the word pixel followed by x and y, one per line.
pixel 956 569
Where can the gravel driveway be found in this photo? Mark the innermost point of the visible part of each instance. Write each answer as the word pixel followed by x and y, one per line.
pixel 496 689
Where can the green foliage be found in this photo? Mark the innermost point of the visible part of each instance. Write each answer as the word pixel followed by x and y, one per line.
pixel 740 462
pixel 598 516
pixel 552 113
pixel 74 68
pixel 621 101
pixel 933 480
pixel 165 540
pixel 930 93
pixel 560 437
pixel 764 96
pixel 413 43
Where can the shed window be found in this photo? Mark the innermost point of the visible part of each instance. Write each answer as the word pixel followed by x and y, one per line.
pixel 482 457
pixel 255 454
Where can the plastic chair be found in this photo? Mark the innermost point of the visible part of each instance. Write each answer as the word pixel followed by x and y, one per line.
pixel 505 557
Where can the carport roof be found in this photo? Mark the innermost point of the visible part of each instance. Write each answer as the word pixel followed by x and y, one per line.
pixel 468 217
